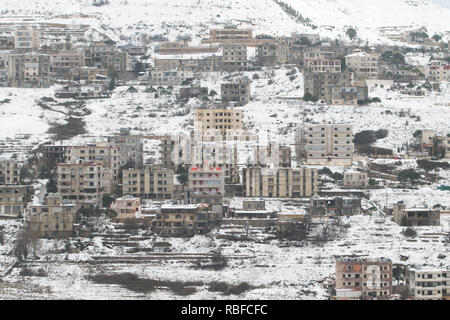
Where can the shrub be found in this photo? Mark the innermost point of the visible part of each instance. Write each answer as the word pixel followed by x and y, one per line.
pixel 309 97
pixel 409 232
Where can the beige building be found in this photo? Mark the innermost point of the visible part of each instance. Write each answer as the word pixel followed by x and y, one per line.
pixel 236 92
pixel 189 219
pixel 355 179
pixel 10 171
pixel 221 119
pixel 271 54
pixel 325 144
pixel 14 199
pixel 29 70
pixel 415 216
pixel 27 39
pixel 234 57
pixel 128 207
pixel 425 283
pixel 230 32
pixel 89 74
pixel 150 182
pixel 62 62
pixel 53 218
pixel 106 156
pixel 364 65
pixel 363 278
pixel 323 65
pixel 83 184
pixel 280 182
pixel 169 77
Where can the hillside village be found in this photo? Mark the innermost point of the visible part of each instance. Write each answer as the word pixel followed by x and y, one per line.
pixel 236 165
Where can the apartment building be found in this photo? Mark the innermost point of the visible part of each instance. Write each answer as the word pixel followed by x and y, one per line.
pixel 337 206
pixel 236 92
pixel 7 42
pixel 426 283
pixel 230 32
pixel 188 219
pixel 271 54
pixel 220 119
pixel 107 56
pixel 280 182
pixel 323 65
pixel 53 218
pixel 83 184
pixel 14 199
pixel 415 216
pixel 234 57
pixel 106 156
pixel 330 144
pixel 319 84
pixel 169 77
pixel 62 62
pixel 27 39
pixel 355 179
pixel 128 207
pixel 438 71
pixel 272 155
pixel 10 171
pixel 364 65
pixel 363 278
pixel 348 95
pixel 130 147
pixel 29 70
pixel 206 185
pixel 150 182
pixel 88 74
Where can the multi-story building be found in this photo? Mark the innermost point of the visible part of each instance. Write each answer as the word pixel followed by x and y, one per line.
pixel 280 182
pixel 234 57
pixel 338 206
pixel 323 65
pixel 6 42
pixel 14 199
pixel 319 84
pixel 150 182
pixel 237 92
pixel 363 278
pixel 271 54
pixel 128 207
pixel 325 144
pixel 53 218
pixel 220 119
pixel 130 147
pixel 27 39
pixel 355 179
pixel 62 62
pixel 10 171
pixel 169 77
pixel 106 156
pixel 107 56
pixel 230 32
pixel 29 70
pixel 83 184
pixel 426 283
pixel 348 95
pixel 206 185
pixel 188 219
pixel 364 65
pixel 88 74
pixel 415 216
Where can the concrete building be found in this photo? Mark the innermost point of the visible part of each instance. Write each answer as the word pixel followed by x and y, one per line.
pixel 150 182
pixel 29 70
pixel 236 92
pixel 221 119
pixel 271 54
pixel 53 218
pixel 234 57
pixel 27 39
pixel 62 62
pixel 325 144
pixel 355 179
pixel 10 171
pixel 319 84
pixel 130 147
pixel 426 283
pixel 348 95
pixel 89 74
pixel 14 199
pixel 323 65
pixel 206 185
pixel 7 42
pixel 415 216
pixel 83 184
pixel 107 56
pixel 106 156
pixel 337 206
pixel 177 220
pixel 230 32
pixel 280 182
pixel 364 65
pixel 128 207
pixel 363 278
pixel 169 77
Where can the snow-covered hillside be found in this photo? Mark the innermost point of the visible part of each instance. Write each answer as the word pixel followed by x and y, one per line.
pixel 126 18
